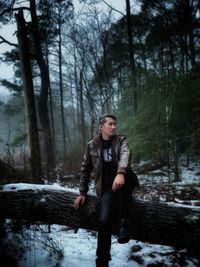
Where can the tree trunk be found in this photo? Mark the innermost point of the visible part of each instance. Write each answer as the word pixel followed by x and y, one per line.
pixel 131 55
pixel 159 223
pixel 175 162
pixel 63 124
pixel 82 112
pixel 31 118
pixel 43 113
pixel 190 31
pixel 51 107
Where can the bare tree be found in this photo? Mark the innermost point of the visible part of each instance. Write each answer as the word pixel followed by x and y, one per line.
pixel 33 137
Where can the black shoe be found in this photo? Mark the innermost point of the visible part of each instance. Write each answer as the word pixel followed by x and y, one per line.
pixel 124 235
pixel 102 263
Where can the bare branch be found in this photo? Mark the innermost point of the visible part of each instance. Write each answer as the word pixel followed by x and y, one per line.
pixel 113 8
pixel 8 10
pixel 3 40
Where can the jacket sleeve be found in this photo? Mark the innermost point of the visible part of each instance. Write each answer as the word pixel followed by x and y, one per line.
pixel 86 169
pixel 124 156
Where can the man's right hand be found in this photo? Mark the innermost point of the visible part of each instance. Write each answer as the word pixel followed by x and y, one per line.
pixel 79 201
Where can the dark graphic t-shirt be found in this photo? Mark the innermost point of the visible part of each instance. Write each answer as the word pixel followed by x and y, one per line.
pixel 109 167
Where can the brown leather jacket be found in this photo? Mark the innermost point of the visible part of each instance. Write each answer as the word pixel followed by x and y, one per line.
pixel 93 159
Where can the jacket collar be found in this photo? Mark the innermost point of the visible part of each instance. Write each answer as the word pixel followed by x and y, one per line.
pixel 98 139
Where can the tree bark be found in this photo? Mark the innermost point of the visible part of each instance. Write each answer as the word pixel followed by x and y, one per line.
pixel 31 118
pixel 43 112
pixel 62 110
pixel 82 112
pixel 159 223
pixel 190 29
pixel 131 55
pixel 51 110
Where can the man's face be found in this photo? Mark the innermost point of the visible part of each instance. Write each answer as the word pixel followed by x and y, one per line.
pixel 108 129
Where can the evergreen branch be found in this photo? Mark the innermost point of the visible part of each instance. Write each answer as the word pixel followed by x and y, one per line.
pixel 11 86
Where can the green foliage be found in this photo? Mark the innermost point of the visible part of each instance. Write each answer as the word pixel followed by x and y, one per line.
pixel 51 16
pixel 6 5
pixel 166 75
pixel 11 110
pixel 11 86
pixel 193 108
pixel 18 140
pixel 168 115
pixel 13 127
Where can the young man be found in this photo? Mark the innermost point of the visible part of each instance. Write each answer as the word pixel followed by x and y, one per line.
pixel 107 157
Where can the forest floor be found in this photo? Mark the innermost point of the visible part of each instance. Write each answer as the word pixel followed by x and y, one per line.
pixel 63 247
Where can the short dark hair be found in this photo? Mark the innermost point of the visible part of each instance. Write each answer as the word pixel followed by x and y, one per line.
pixel 102 119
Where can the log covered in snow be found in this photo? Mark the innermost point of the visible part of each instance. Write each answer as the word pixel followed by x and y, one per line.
pixel 154 222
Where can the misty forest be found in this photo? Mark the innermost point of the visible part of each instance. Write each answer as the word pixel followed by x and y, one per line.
pixel 70 65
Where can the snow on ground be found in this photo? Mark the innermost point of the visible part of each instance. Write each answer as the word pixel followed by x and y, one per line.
pixel 65 247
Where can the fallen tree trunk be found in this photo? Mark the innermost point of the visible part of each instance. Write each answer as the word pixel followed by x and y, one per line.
pixel 153 222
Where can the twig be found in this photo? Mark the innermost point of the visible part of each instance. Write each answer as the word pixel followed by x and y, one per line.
pixel 3 40
pixel 113 8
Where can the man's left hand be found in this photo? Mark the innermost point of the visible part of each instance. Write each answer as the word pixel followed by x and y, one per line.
pixel 118 182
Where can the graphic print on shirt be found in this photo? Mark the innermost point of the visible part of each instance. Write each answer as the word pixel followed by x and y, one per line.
pixel 107 154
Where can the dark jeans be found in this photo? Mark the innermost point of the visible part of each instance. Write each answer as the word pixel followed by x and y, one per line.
pixel 113 207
